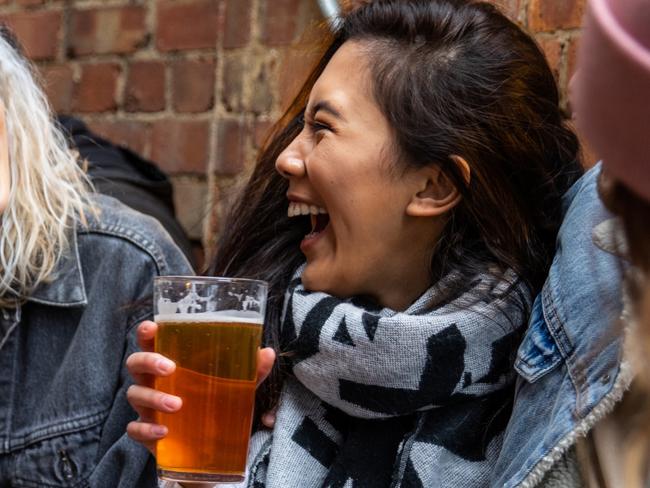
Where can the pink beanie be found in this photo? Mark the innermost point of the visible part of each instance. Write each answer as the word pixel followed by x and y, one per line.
pixel 611 88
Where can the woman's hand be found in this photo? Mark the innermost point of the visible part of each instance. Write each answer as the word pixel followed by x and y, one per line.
pixel 145 366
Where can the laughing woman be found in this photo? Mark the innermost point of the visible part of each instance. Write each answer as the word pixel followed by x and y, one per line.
pixel 405 214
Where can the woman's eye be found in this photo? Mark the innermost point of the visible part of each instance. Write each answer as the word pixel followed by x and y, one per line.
pixel 317 127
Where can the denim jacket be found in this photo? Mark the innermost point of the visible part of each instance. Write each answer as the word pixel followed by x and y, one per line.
pixel 63 408
pixel 570 364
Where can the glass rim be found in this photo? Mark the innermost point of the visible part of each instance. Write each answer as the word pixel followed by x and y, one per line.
pixel 210 279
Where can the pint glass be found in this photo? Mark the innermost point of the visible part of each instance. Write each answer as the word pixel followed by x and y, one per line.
pixel 211 328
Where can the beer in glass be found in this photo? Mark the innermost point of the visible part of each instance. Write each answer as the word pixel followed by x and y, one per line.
pixel 211 328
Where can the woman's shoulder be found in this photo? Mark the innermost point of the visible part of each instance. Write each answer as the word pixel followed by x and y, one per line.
pixel 110 227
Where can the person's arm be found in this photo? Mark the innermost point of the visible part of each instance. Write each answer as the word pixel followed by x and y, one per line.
pixel 122 462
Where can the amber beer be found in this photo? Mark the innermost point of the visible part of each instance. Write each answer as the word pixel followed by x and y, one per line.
pixel 216 364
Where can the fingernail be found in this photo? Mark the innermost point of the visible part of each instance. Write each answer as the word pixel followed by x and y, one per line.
pixel 165 365
pixel 144 327
pixel 172 402
pixel 159 430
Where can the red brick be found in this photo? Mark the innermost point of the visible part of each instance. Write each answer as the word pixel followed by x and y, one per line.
pixel 552 48
pixel 128 133
pixel 261 132
pixel 572 56
pixel 279 21
pixel 232 92
pixel 546 16
pixel 187 24
pixel 145 87
pixel 230 147
pixel 107 30
pixel 97 88
pixel 193 85
pixel 29 3
pixel 509 7
pixel 190 202
pixel 38 32
pixel 571 62
pixel 262 97
pixel 58 85
pixel 237 25
pixel 181 146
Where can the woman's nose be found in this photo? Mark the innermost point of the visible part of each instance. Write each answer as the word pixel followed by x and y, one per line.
pixel 290 164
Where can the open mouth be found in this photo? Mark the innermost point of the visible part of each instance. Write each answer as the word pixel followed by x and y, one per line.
pixel 317 216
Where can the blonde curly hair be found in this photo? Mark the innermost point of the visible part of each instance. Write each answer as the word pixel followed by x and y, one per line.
pixel 48 189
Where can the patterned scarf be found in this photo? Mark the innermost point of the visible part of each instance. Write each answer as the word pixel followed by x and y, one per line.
pixel 384 398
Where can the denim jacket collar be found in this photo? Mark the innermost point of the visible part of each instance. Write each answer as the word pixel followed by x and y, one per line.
pixel 66 288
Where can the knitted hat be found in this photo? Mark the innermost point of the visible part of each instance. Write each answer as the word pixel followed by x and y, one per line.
pixel 611 89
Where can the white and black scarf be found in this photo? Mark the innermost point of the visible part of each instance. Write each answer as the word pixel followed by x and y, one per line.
pixel 378 398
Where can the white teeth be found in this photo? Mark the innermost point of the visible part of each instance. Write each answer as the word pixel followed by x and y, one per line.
pixel 295 209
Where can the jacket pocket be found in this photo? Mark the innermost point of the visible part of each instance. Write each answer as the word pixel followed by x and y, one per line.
pixel 538 353
pixel 59 462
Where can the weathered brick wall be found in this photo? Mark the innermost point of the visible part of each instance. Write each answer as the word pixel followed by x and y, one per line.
pixel 194 84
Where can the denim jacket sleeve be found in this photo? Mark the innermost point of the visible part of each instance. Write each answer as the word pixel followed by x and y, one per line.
pixel 124 463
pixel 67 413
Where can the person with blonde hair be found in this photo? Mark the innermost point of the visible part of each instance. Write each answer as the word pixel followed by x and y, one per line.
pixel 75 273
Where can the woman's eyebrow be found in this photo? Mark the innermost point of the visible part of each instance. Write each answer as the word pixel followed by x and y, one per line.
pixel 326 106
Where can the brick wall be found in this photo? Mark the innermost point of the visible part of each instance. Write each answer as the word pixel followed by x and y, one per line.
pixel 195 84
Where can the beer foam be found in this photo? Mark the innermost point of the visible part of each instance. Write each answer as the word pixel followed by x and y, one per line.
pixel 221 316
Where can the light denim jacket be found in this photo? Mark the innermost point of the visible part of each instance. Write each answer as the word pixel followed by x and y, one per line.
pixel 570 360
pixel 63 408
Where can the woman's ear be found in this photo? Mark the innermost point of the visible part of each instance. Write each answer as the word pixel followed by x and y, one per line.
pixel 436 194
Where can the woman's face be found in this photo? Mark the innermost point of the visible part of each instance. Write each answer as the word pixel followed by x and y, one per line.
pixel 4 162
pixel 342 176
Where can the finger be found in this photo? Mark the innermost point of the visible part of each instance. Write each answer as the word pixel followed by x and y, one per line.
pixel 144 366
pixel 146 401
pixel 146 334
pixel 265 360
pixel 146 433
pixel 268 419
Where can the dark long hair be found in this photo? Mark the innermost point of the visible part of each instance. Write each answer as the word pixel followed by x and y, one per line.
pixel 453 77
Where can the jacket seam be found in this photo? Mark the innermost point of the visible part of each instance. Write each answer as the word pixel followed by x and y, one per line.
pixel 122 233
pixel 551 316
pixel 567 349
pixel 66 427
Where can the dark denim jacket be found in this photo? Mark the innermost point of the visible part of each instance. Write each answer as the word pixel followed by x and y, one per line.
pixel 63 408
